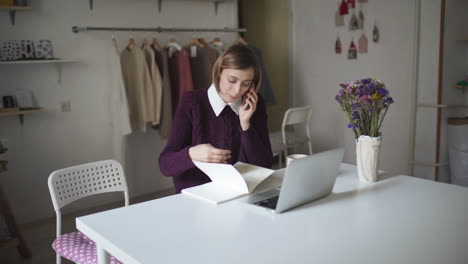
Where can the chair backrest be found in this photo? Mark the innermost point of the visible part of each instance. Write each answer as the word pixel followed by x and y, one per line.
pixel 296 116
pixel 70 184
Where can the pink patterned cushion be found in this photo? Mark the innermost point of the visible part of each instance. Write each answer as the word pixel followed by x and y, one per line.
pixel 78 248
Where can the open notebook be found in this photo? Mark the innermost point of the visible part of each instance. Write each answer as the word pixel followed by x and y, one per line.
pixel 227 181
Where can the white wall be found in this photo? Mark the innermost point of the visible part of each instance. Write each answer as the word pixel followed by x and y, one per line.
pixel 318 71
pixel 53 140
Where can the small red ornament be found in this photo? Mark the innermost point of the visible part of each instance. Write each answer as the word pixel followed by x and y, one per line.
pixel 352 52
pixel 338 45
pixel 343 8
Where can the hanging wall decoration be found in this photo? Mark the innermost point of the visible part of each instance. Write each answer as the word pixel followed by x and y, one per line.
pixel 351 3
pixel 360 19
pixel 353 23
pixel 375 34
pixel 363 43
pixel 352 52
pixel 338 45
pixel 343 8
pixel 339 19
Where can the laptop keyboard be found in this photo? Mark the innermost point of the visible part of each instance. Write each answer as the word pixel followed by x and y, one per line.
pixel 269 203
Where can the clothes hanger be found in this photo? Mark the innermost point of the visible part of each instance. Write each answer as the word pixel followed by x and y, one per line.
pixel 114 43
pixel 155 42
pixel 217 42
pixel 131 42
pixel 203 41
pixel 145 42
pixel 173 43
pixel 195 42
pixel 241 40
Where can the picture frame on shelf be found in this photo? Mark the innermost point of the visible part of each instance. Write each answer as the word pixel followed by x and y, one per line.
pixel 24 99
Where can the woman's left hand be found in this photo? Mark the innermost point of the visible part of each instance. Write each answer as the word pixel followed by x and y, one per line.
pixel 247 108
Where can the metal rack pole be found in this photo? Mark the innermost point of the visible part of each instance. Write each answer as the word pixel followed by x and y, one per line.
pixel 77 29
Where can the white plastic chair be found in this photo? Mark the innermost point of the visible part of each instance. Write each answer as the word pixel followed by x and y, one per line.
pixel 73 183
pixel 292 117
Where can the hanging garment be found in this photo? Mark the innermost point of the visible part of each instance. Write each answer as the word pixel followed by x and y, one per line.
pixel 375 34
pixel 351 3
pixel 166 108
pixel 138 86
pixel 343 8
pixel 265 88
pixel 180 74
pixel 363 42
pixel 201 65
pixel 118 107
pixel 360 20
pixel 338 45
pixel 353 23
pixel 155 112
pixel 352 52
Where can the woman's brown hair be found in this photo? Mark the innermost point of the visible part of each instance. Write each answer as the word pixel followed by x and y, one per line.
pixel 239 57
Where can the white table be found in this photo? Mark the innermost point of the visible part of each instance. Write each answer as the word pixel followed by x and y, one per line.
pixel 397 220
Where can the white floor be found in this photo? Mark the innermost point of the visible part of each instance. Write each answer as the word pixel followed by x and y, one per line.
pixel 40 235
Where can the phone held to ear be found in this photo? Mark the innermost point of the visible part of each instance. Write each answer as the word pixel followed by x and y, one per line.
pixel 246 105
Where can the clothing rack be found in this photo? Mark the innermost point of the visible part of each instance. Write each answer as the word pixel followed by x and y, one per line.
pixel 77 29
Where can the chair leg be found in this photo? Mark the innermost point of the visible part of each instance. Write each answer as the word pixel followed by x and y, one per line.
pixel 23 248
pixel 12 226
pixel 280 160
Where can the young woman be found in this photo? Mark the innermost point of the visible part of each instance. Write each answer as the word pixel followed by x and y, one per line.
pixel 224 124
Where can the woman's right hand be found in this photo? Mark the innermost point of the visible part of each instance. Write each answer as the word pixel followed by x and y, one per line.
pixel 208 153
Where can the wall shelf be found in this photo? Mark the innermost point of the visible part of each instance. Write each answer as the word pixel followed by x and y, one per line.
pixel 463 39
pixel 461 86
pixel 12 10
pixel 36 61
pixel 20 113
pixel 442 106
pixel 215 3
pixel 15 8
pixel 57 62
pixel 159 4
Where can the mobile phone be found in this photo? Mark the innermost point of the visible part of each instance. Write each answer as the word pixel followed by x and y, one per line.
pixel 247 105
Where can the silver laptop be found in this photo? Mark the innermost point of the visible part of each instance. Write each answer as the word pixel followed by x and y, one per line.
pixel 305 180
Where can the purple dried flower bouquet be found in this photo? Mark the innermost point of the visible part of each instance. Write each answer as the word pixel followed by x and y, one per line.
pixel 365 102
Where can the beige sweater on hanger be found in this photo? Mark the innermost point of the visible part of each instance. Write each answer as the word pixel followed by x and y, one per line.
pixel 139 87
pixel 156 101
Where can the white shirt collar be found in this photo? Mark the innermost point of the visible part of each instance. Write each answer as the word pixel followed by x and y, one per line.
pixel 218 104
